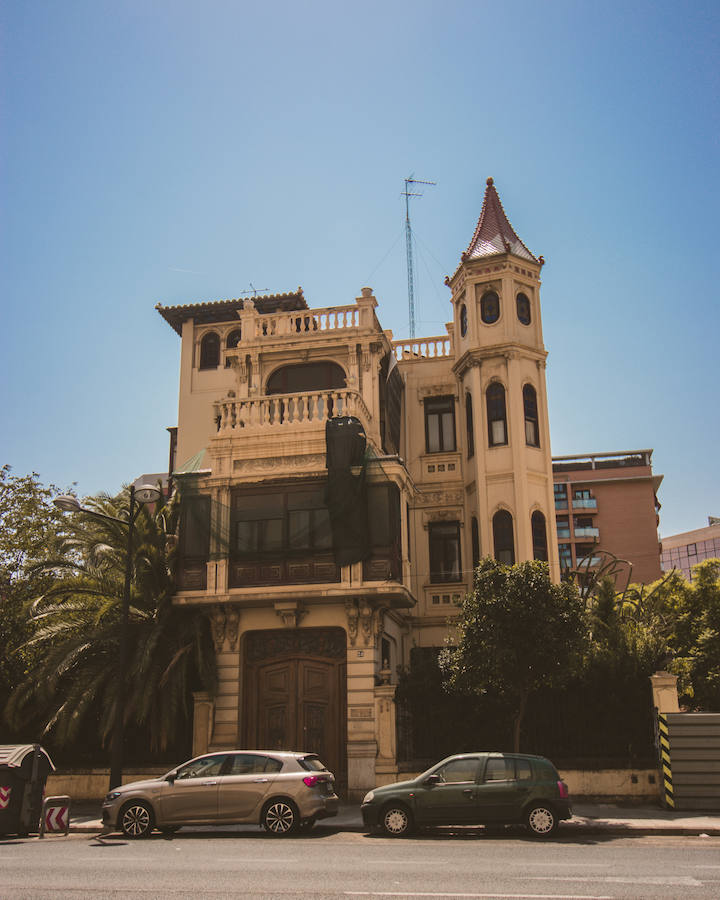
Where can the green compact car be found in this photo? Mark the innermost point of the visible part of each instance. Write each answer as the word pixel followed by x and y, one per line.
pixel 473 789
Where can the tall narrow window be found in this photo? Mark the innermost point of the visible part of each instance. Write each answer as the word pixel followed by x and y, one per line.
pixel 532 431
pixel 503 538
pixel 523 309
pixel 475 543
pixel 439 424
pixel 496 415
pixel 539 535
pixel 469 426
pixel 210 351
pixel 463 320
pixel 444 552
pixel 490 307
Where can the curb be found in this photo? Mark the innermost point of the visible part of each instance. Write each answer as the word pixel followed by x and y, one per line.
pixel 566 829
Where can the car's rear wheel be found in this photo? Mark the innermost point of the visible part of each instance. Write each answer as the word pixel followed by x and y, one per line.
pixel 280 818
pixel 396 820
pixel 541 821
pixel 136 819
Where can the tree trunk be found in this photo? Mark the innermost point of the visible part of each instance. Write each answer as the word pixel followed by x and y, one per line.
pixel 522 703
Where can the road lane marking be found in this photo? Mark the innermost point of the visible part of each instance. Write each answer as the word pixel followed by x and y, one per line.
pixel 666 880
pixel 478 896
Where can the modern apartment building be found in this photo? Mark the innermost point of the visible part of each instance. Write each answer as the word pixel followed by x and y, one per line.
pixel 321 567
pixel 685 550
pixel 608 502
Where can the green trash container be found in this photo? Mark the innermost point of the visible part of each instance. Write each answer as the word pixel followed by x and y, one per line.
pixel 24 769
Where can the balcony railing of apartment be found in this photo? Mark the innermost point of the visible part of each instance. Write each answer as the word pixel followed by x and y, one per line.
pixel 584 503
pixel 288 410
pixel 586 562
pixel 563 532
pixel 586 531
pixel 422 348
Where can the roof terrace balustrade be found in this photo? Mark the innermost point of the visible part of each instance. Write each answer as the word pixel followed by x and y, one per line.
pixel 306 321
pixel 422 348
pixel 286 411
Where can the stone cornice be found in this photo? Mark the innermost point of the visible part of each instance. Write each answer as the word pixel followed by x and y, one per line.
pixel 508 350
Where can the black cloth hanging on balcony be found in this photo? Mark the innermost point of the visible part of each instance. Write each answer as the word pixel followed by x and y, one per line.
pixel 346 493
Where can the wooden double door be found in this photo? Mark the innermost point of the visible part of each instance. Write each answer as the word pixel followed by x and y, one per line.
pixel 295 694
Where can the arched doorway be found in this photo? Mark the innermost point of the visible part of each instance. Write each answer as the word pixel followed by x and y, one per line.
pixel 295 693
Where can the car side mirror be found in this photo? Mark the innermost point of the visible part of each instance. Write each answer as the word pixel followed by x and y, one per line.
pixel 171 778
pixel 432 779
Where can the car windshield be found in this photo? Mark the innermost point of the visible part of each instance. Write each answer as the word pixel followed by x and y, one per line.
pixel 312 764
pixel 199 768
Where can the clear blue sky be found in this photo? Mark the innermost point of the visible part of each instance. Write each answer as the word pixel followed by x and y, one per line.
pixel 174 151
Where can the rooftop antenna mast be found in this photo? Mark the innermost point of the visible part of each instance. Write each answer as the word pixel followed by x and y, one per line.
pixel 253 290
pixel 407 193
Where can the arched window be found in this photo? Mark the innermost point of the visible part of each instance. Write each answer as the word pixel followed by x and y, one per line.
pixel 475 537
pixel 539 535
pixel 463 320
pixel 210 351
pixel 523 309
pixel 532 431
pixel 233 339
pixel 503 537
pixel 496 415
pixel 490 307
pixel 469 426
pixel 317 376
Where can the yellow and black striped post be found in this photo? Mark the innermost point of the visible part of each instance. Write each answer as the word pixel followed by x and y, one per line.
pixel 665 759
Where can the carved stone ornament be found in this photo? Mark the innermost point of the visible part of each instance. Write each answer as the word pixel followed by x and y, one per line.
pixel 353 615
pixel 232 626
pixel 217 622
pixel 282 463
pixel 442 515
pixel 290 612
pixel 363 622
pixel 436 390
pixel 440 498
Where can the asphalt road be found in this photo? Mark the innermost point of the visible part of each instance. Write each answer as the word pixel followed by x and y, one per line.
pixel 328 864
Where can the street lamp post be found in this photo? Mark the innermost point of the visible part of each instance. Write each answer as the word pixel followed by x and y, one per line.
pixel 146 493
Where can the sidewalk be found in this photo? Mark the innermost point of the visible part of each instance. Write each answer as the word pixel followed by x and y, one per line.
pixel 588 818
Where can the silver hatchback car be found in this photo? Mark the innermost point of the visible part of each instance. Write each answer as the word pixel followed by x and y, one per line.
pixel 281 790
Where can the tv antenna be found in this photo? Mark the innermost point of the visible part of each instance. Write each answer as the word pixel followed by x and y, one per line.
pixel 254 291
pixel 407 193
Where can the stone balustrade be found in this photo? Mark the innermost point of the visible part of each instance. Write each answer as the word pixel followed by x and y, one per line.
pixel 305 321
pixel 288 410
pixel 422 348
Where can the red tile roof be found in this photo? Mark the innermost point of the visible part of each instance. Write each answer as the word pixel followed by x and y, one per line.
pixel 494 234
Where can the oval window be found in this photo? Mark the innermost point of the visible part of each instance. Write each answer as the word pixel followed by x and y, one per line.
pixel 490 307
pixel 523 309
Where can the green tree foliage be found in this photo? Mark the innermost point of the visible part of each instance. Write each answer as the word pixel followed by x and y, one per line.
pixel 695 637
pixel 517 632
pixel 29 525
pixel 73 684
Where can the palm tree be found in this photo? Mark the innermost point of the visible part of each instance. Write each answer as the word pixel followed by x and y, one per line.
pixel 75 686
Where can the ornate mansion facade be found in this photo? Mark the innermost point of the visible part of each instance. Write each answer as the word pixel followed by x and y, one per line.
pixel 323 553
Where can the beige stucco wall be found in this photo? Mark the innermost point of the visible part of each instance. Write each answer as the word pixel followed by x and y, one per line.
pixel 609 784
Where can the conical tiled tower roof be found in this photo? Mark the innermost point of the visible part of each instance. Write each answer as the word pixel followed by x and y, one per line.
pixel 494 234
